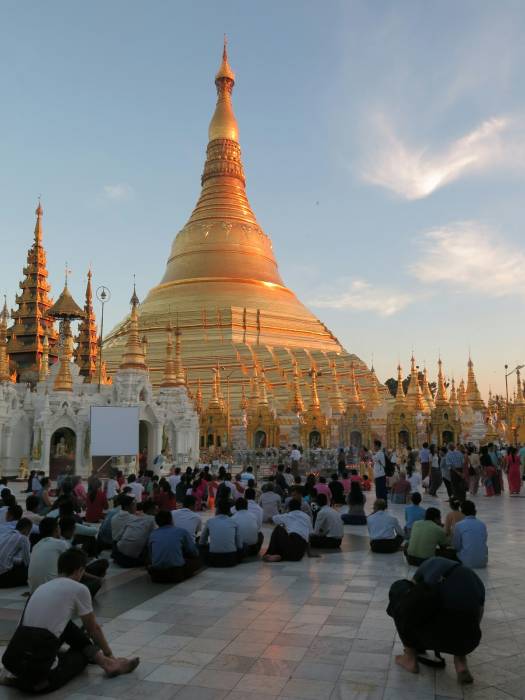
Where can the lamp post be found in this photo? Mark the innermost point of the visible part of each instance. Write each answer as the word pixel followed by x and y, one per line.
pixel 507 375
pixel 103 295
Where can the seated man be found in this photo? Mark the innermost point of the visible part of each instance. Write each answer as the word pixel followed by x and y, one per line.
pixel 426 535
pixel 14 554
pixel 254 507
pixel 297 494
pixel 385 531
pixel 270 502
pixel 12 515
pixel 136 487
pixel 96 568
pixel 470 538
pixel 32 655
pixel 251 537
pixel 128 508
pixel 30 512
pixel 328 529
pixel 45 554
pixel 173 553
pixel 225 544
pixel 131 548
pixel 290 539
pixel 187 518
pixel 446 621
pixel 413 512
pixel 104 536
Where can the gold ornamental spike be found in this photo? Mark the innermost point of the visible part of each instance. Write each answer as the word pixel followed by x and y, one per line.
pixel 133 357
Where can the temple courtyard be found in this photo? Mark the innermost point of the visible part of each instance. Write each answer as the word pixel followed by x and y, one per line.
pixel 313 629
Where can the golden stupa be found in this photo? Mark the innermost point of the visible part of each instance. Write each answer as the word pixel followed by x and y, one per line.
pixel 223 291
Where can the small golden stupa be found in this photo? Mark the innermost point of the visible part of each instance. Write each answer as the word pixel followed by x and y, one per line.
pixel 233 310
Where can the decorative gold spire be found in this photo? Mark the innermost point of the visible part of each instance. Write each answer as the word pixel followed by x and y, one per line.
pixel 453 401
pixel 414 395
pixel 400 392
pixel 44 361
pixel 243 404
pixel 198 398
pixel 473 395
pixel 170 375
pixel 86 352
pixel 105 380
pixel 374 398
pixel 223 124
pixel 336 399
pixel 427 393
pixel 216 399
pixel 180 377
pixel 263 395
pixel 64 378
pixel 314 394
pixel 31 322
pixel 462 395
pixel 4 357
pixel 297 401
pixel 133 357
pixel 354 399
pixel 441 391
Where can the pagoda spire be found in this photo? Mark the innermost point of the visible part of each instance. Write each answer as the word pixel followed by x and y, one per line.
pixel 31 323
pixel 414 394
pixel 170 374
pixel 453 401
pixel 520 400
pixel 64 378
pixel 441 392
pixel 180 377
pixel 462 395
pixel 400 392
pixel 473 395
pixel 427 394
pixel 133 357
pixel 373 399
pixel 4 357
pixel 263 394
pixel 43 372
pixel 314 394
pixel 336 399
pixel 354 395
pixel 297 401
pixel 86 351
pixel 198 398
pixel 215 399
pixel 102 371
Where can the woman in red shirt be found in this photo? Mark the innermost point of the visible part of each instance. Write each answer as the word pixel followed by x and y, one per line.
pixel 96 501
pixel 165 497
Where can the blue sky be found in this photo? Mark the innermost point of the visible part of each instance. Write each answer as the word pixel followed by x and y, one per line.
pixel 384 146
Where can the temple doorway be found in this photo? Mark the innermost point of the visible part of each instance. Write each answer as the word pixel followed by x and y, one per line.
pixel 260 439
pixel 62 452
pixel 404 438
pixel 448 436
pixel 314 440
pixel 356 439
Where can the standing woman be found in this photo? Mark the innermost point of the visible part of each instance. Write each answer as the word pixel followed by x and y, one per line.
pixel 512 462
pixel 79 491
pixel 489 472
pixel 473 471
pixel 435 472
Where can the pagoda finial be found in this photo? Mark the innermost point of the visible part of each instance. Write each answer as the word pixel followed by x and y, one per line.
pixel 223 124
pixel 38 225
pixel 180 377
pixel 263 395
pixel 44 361
pixel 297 402
pixel 441 392
pixel 473 395
pixel 64 378
pixel 133 357
pixel 4 357
pixel 87 349
pixel 400 392
pixel 414 394
pixel 314 395
pixel 198 397
pixel 453 401
pixel 354 395
pixel 170 377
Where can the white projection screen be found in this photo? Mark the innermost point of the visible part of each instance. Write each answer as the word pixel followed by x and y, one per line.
pixel 114 431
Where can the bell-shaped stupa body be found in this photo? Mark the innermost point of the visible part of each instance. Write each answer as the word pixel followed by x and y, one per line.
pixel 223 290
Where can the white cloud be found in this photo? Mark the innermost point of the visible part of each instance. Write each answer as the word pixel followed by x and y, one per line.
pixel 415 173
pixel 358 295
pixel 119 192
pixel 470 256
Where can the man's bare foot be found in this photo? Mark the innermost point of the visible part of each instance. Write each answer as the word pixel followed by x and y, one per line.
pixel 272 557
pixel 408 662
pixel 463 674
pixel 117 667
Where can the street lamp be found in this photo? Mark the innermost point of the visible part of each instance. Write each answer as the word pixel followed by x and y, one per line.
pixel 507 375
pixel 103 295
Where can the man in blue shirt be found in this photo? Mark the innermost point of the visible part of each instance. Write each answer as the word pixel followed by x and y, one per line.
pixel 414 512
pixel 173 554
pixel 470 538
pixel 455 460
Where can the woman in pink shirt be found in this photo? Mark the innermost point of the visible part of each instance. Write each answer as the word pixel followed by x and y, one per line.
pixel 322 487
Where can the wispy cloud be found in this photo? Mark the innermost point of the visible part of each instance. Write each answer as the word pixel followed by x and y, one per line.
pixel 414 173
pixel 470 256
pixel 359 295
pixel 118 192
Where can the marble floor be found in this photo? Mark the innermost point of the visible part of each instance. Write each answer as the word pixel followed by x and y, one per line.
pixel 314 629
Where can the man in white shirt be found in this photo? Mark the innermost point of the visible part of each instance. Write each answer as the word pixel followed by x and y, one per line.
pixel 329 530
pixel 136 487
pixel 128 508
pixel 378 458
pixel 254 507
pixel 270 503
pixel 130 549
pixel 187 518
pixel 251 537
pixel 295 458
pixel 174 479
pixel 246 476
pixel 386 534
pixel 32 654
pixel 14 555
pixel 45 554
pixel 290 539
